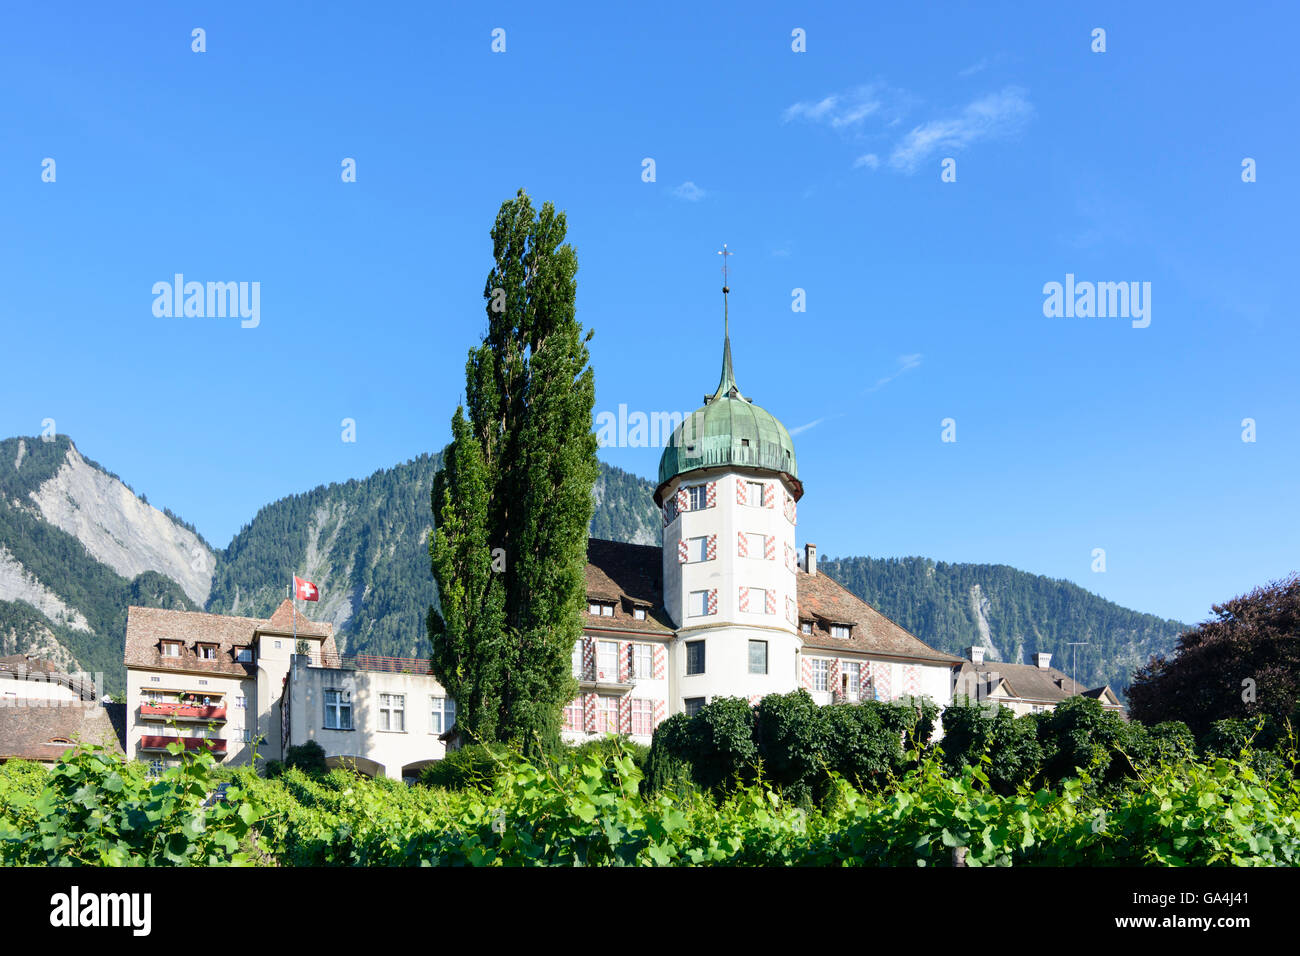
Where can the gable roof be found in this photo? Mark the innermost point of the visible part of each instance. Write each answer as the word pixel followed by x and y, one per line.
pixel 628 576
pixel 826 601
pixel 1023 681
pixel 22 667
pixel 148 627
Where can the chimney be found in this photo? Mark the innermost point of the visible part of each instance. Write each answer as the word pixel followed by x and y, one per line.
pixel 977 654
pixel 1044 661
pixel 810 558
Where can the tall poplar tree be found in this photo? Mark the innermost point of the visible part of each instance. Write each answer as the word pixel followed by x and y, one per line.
pixel 513 501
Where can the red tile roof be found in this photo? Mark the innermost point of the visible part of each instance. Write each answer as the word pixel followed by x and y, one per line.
pixel 147 628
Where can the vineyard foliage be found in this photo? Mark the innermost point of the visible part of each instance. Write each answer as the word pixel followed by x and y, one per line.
pixel 93 809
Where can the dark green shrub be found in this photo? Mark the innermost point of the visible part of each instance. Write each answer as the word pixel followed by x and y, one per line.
pixel 1079 735
pixel 791 731
pixel 972 730
pixel 476 766
pixel 308 757
pixel 720 742
pixel 864 742
pixel 667 768
pixel 603 747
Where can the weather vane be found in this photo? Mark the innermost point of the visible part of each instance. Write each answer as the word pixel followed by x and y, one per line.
pixel 724 253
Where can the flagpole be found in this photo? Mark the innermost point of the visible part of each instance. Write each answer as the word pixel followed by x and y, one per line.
pixel 293 596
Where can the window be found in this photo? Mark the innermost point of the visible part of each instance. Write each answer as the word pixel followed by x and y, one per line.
pixel 241 703
pixel 171 649
pixel 697 549
pixel 606 660
pixel 244 655
pixel 153 696
pixel 154 678
pixel 754 494
pixel 577 660
pixel 758 657
pixel 392 712
pixel 694 657
pixel 842 631
pixel 757 601
pixel 155 768
pixel 820 672
pixel 247 736
pixel 643 716
pixel 338 709
pixel 698 604
pixel 207 652
pixel 203 683
pixel 573 715
pixel 638 614
pixel 694 705
pixel 277 645
pixel 643 656
pixel 444 714
pixel 600 608
pixel 607 714
pixel 850 679
pixel 698 497
pixel 805 627
pixel 756 545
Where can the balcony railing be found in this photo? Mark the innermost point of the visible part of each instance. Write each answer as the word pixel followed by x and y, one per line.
pixel 184 712
pixel 599 676
pixel 215 744
pixel 375 662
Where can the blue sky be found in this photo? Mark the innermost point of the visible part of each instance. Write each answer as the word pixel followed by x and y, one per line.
pixel 820 169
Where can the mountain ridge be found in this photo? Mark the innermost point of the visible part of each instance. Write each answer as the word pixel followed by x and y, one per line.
pixel 77 545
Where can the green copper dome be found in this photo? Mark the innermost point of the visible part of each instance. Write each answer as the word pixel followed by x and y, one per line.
pixel 729 430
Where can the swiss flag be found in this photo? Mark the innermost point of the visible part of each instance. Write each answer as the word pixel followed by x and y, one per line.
pixel 305 590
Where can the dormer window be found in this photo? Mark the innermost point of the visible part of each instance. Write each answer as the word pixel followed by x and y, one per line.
pixel 244 655
pixel 207 652
pixel 171 648
pixel 638 613
pixel 805 627
pixel 600 608
pixel 841 631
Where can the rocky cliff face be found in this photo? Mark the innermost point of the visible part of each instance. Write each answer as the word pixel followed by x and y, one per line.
pixel 120 530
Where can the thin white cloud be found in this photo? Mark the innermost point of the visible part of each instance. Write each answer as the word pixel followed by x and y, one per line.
pixel 870 160
pixel 689 191
pixel 990 117
pixel 974 68
pixel 840 110
pixel 804 428
pixel 905 364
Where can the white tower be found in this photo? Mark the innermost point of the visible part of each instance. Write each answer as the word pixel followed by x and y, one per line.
pixel 728 485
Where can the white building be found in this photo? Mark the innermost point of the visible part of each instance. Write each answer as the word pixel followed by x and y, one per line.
pixel 726 607
pixel 237 686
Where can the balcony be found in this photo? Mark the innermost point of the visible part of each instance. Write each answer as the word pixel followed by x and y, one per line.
pixel 214 745
pixel 184 712
pixel 374 662
pixel 598 680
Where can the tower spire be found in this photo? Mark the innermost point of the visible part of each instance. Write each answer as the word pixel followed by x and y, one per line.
pixel 727 384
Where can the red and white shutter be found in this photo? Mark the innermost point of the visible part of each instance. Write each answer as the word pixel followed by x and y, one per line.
pixel 881 676
pixel 769 495
pixel 864 680
pixel 713 601
pixel 711 548
pixel 711 494
pixel 805 673
pixel 744 598
pixel 769 547
pixel 911 680
pixel 683 501
pixel 742 544
pixel 589 713
pixel 661 711
pixel 661 661
pixel 624 661
pixel 588 657
pixel 683 554
pixel 833 678
pixel 770 603
pixel 740 491
pixel 624 715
